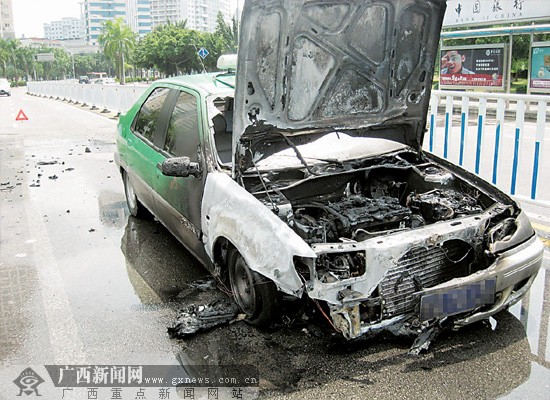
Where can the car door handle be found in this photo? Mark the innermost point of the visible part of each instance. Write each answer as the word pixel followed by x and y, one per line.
pixel 129 141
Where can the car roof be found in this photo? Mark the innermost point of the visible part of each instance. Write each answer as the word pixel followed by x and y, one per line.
pixel 207 84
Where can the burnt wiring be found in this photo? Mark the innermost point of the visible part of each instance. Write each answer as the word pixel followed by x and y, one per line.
pixel 274 207
pixel 446 254
pixel 325 315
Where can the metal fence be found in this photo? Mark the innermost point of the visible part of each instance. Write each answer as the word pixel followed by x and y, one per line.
pixel 114 98
pixel 498 136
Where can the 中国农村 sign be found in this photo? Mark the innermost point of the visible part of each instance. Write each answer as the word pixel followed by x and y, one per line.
pixel 540 67
pixel 472 66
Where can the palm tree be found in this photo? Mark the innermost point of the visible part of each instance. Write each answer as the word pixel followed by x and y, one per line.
pixel 118 41
pixel 26 57
pixel 8 49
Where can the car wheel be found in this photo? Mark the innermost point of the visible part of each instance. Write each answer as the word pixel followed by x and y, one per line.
pixel 134 205
pixel 256 295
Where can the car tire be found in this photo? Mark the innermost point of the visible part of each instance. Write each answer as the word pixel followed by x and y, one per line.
pixel 256 295
pixel 137 209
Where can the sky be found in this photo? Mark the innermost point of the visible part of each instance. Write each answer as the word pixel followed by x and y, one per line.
pixel 29 16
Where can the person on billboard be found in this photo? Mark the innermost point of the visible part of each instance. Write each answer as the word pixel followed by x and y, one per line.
pixel 451 63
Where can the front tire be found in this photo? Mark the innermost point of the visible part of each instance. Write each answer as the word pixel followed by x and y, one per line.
pixel 256 295
pixel 137 209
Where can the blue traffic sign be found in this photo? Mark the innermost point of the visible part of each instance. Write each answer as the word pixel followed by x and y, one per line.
pixel 203 52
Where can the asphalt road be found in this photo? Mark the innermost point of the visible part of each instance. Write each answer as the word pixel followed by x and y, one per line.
pixel 81 283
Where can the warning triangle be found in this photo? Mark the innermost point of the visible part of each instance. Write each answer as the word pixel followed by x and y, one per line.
pixel 21 116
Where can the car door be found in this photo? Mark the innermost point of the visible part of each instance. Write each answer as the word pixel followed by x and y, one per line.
pixel 180 198
pixel 143 144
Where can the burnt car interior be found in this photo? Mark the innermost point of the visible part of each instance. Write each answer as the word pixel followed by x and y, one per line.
pixel 223 129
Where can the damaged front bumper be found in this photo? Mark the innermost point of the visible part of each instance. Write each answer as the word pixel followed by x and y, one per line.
pixel 460 301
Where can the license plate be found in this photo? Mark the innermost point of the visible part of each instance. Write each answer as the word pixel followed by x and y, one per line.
pixel 456 301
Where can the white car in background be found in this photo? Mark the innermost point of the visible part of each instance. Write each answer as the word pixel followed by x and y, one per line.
pixel 105 81
pixel 5 87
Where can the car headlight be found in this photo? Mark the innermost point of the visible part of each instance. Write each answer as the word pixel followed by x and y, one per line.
pixel 509 233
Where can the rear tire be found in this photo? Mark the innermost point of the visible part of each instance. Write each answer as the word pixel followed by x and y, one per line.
pixel 137 209
pixel 256 295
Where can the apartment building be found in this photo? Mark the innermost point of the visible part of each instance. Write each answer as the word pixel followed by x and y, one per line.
pixel 136 13
pixel 7 30
pixel 199 14
pixel 66 29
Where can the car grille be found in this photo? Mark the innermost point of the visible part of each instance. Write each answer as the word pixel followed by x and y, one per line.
pixel 423 267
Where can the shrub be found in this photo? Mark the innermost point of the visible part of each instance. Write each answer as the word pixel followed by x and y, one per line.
pixel 522 89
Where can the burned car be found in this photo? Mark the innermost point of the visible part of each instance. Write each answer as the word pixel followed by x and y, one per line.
pixel 303 176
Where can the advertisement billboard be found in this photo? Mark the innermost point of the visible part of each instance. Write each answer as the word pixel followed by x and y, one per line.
pixel 473 66
pixel 540 67
pixel 466 13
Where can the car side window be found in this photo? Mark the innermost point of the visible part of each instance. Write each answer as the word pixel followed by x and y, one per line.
pixel 146 120
pixel 182 136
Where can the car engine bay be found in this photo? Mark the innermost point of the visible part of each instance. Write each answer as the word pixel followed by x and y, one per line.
pixel 395 192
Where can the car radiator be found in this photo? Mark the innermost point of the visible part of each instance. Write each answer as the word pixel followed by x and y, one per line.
pixel 423 267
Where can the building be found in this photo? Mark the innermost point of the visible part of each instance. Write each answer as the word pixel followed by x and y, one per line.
pixel 136 13
pixel 200 14
pixel 138 16
pixel 165 11
pixel 66 29
pixel 7 30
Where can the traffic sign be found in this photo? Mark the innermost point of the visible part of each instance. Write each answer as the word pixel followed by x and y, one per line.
pixel 203 53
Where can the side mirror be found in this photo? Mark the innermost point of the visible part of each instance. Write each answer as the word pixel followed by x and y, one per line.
pixel 180 167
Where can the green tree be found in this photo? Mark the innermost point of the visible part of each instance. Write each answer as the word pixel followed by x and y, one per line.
pixel 118 42
pixel 227 34
pixel 97 62
pixel 170 48
pixel 25 57
pixel 8 51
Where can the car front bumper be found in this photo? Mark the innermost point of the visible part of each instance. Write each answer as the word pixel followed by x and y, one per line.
pixel 511 276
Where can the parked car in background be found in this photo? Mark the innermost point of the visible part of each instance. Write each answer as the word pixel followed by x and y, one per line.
pixel 84 79
pixel 5 87
pixel 105 81
pixel 303 176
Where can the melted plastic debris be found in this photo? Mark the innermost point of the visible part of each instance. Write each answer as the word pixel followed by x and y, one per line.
pixel 425 339
pixel 203 317
pixel 204 284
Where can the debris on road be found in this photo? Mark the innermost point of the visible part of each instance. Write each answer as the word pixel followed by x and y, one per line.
pixel 425 339
pixel 203 317
pixel 46 162
pixel 87 150
pixel 204 284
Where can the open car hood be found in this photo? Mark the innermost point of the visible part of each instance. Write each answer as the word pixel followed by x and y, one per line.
pixel 337 65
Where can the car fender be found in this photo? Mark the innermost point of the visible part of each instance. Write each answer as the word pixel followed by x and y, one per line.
pixel 266 243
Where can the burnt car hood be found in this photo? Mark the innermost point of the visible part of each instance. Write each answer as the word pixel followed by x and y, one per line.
pixel 337 65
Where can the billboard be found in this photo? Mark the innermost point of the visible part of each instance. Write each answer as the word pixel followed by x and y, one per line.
pixel 44 57
pixel 464 13
pixel 472 66
pixel 539 81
